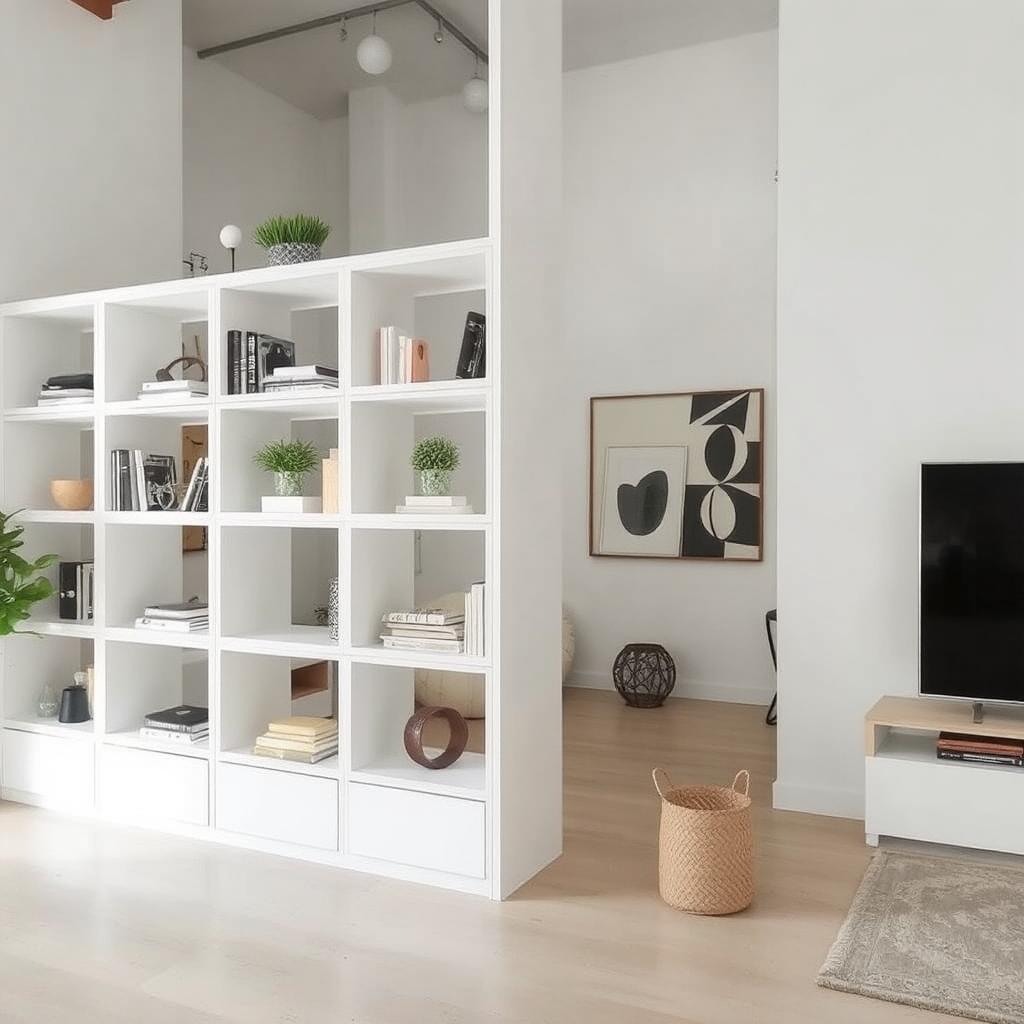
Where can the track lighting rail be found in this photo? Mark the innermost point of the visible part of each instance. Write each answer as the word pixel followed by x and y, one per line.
pixel 346 16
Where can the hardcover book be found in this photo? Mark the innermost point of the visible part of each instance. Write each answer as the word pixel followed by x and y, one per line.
pixel 473 355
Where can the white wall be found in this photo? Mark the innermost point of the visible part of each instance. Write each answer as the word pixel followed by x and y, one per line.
pixel 901 257
pixel 670 286
pixel 90 177
pixel 417 171
pixel 249 155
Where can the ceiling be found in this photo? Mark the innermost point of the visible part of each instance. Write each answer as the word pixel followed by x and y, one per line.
pixel 313 72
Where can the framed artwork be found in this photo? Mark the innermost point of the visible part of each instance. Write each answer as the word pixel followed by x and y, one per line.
pixel 678 475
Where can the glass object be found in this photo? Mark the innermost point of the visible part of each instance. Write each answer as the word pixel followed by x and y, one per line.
pixel 288 485
pixel 47 701
pixel 434 482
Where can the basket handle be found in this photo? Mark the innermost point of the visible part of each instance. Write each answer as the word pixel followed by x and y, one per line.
pixel 658 775
pixel 745 775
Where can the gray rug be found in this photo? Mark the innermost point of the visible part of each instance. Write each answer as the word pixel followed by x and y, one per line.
pixel 937 933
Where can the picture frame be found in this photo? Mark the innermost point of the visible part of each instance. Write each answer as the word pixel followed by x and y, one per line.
pixel 633 498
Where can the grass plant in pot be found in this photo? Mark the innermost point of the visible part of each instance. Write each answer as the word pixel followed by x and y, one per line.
pixel 289 461
pixel 435 459
pixel 296 239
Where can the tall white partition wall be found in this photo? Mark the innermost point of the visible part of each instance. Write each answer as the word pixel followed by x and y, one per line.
pixel 492 820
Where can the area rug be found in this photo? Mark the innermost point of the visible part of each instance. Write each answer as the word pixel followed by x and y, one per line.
pixel 937 933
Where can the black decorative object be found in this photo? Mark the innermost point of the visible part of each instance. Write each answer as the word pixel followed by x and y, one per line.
pixel 74 702
pixel 644 675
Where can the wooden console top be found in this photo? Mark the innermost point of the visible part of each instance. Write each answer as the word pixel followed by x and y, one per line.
pixel 930 715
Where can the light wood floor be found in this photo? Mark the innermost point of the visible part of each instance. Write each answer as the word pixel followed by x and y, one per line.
pixel 103 925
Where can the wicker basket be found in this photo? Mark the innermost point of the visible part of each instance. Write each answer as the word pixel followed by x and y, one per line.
pixel 706 846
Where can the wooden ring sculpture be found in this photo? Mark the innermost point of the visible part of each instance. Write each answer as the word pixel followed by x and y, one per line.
pixel 457 740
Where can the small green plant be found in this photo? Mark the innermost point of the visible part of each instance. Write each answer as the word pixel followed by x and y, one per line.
pixel 21 584
pixel 297 229
pixel 435 453
pixel 294 457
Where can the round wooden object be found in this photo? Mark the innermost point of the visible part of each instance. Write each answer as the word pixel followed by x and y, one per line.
pixel 457 740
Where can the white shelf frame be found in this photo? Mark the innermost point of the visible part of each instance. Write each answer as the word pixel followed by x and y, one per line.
pixel 514 792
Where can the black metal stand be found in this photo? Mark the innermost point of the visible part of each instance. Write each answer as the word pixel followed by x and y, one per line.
pixel 772 717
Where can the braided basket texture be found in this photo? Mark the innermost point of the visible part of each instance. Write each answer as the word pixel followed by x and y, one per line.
pixel 706 846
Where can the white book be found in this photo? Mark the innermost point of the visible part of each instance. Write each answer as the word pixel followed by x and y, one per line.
pixel 309 370
pixel 172 625
pixel 139 502
pixel 428 617
pixel 402 643
pixel 157 386
pixel 58 394
pixel 170 397
pixel 435 500
pixel 393 357
pixel 469 638
pixel 177 611
pixel 168 736
pixel 437 510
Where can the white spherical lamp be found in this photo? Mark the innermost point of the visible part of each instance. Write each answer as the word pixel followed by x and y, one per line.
pixel 474 95
pixel 374 55
pixel 231 238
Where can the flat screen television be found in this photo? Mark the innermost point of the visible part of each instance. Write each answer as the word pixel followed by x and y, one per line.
pixel 972 581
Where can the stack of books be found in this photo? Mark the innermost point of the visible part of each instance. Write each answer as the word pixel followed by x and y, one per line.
pixel 955 746
pixel 433 629
pixel 66 388
pixel 312 379
pixel 475 620
pixel 253 358
pixel 428 505
pixel 184 724
pixel 189 617
pixel 403 360
pixel 171 391
pixel 299 738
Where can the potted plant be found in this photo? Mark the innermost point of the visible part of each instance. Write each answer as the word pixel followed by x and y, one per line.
pixel 289 461
pixel 435 459
pixel 296 239
pixel 21 584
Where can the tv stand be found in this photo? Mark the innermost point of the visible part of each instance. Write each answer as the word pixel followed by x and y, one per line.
pixel 911 794
pixel 979 712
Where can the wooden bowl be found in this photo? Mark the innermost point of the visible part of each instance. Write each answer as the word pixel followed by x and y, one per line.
pixel 71 495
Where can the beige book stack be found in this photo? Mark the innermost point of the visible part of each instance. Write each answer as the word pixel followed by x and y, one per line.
pixel 330 483
pixel 299 738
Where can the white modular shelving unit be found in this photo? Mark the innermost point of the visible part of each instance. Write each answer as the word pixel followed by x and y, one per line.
pixel 369 808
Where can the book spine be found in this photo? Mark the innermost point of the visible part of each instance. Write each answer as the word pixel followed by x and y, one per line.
pixel 177 727
pixel 251 383
pixel 419 618
pixel 958 755
pixel 171 736
pixel 66 584
pixel 234 362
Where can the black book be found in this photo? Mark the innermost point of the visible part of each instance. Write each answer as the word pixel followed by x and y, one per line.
pixel 68 381
pixel 160 474
pixel 183 718
pixel 67 589
pixel 473 354
pixel 234 362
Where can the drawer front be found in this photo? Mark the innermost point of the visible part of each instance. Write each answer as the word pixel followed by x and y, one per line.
pixel 61 772
pixel 420 829
pixel 143 785
pixel 936 802
pixel 278 805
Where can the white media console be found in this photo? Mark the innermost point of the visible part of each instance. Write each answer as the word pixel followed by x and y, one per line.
pixel 911 794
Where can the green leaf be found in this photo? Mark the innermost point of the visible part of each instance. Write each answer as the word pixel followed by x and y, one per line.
pixel 300 228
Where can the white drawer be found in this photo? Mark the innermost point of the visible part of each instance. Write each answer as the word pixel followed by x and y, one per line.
pixel 420 829
pixel 60 772
pixel 279 805
pixel 144 785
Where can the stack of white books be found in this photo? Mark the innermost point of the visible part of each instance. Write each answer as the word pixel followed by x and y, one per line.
pixel 431 630
pixel 305 379
pixel 428 505
pixel 189 617
pixel 173 390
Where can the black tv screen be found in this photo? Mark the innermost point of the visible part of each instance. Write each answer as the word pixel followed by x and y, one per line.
pixel 972 581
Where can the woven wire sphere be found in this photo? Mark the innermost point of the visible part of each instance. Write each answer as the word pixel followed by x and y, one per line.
pixel 644 675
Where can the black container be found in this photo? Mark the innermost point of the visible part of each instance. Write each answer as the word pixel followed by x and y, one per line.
pixel 74 705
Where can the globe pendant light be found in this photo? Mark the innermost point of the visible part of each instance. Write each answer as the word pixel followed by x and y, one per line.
pixel 474 92
pixel 374 52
